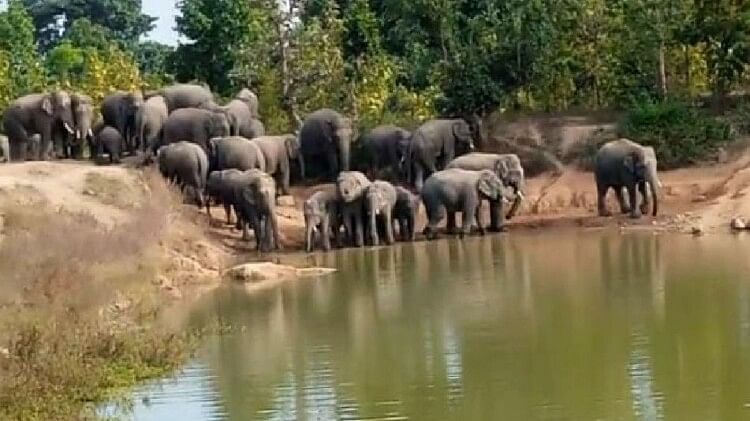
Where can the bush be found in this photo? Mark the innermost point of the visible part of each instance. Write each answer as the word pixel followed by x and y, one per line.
pixel 681 135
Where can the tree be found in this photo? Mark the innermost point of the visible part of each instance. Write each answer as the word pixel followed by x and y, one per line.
pixel 22 65
pixel 124 19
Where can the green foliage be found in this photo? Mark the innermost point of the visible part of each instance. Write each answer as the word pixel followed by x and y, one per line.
pixel 680 135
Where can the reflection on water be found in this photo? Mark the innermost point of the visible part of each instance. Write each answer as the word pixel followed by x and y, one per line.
pixel 551 326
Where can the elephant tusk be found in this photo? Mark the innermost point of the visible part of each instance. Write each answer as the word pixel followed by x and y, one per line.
pixel 68 128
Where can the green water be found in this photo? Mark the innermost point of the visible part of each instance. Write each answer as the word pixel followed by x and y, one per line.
pixel 552 326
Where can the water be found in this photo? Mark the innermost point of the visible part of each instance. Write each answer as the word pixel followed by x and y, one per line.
pixel 552 326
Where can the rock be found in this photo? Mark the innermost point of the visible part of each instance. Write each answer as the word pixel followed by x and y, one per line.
pixel 697 230
pixel 738 224
pixel 285 201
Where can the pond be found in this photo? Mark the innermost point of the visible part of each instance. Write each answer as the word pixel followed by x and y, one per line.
pixel 556 325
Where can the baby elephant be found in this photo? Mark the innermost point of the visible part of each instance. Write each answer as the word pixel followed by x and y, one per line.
pixel 405 213
pixel 380 199
pixel 322 219
pixel 456 190
pixel 107 140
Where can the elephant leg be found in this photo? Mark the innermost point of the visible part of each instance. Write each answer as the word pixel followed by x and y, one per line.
pixel 389 235
pixel 602 199
pixel 645 205
pixel 635 212
pixel 624 208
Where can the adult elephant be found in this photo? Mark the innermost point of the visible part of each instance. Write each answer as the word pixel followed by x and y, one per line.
pixel 456 190
pixel 433 145
pixel 326 138
pixel 195 125
pixel 251 101
pixel 119 110
pixel 235 152
pixel 279 152
pixel 351 187
pixel 624 164
pixel 385 147
pixel 508 167
pixel 37 114
pixel 255 203
pixel 149 122
pixel 186 165
pixel 183 95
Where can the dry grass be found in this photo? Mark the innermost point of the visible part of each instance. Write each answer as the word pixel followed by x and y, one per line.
pixel 75 325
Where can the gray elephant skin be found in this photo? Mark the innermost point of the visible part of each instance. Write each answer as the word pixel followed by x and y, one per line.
pixel 4 149
pixel 433 145
pixel 351 187
pixel 255 202
pixel 235 152
pixel 149 122
pixel 279 153
pixel 386 147
pixel 37 114
pixel 326 138
pixel 220 187
pixel 185 164
pixel 195 125
pixel 183 95
pixel 405 213
pixel 624 164
pixel 107 139
pixel 456 190
pixel 380 199
pixel 508 167
pixel 119 110
pixel 322 219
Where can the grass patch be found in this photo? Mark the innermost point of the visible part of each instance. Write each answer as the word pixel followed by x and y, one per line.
pixel 78 314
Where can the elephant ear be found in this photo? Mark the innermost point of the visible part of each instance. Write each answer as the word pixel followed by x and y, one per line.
pixel 47 106
pixel 487 185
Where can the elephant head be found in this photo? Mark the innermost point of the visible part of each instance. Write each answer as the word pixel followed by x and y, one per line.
pixel 217 125
pixel 341 135
pixel 351 185
pixel 83 113
pixel 490 186
pixel 463 134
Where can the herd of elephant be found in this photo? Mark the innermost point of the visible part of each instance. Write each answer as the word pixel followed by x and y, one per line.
pixel 221 154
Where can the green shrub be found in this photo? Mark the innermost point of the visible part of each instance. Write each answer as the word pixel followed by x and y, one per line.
pixel 681 135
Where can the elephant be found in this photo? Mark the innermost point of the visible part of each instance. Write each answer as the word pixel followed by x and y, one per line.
pixel 385 147
pixel 220 186
pixel 180 96
pixel 624 164
pixel 37 114
pixel 118 111
pixel 235 152
pixel 72 145
pixel 251 101
pixel 433 145
pixel 322 218
pixel 149 122
pixel 185 164
pixel 4 148
pixel 380 199
pixel 255 203
pixel 107 139
pixel 279 151
pixel 326 137
pixel 194 125
pixel 252 129
pixel 405 213
pixel 456 190
pixel 508 167
pixel 351 187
